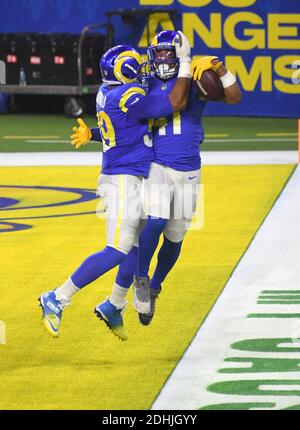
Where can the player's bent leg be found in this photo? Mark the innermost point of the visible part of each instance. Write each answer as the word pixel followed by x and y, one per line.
pixel 181 216
pixel 96 265
pixel 92 268
pixel 158 194
pixel 157 198
pixel 117 193
pixel 52 310
pixel 122 232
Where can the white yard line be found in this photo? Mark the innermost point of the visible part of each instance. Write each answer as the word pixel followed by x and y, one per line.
pixel 272 262
pixel 95 158
pixel 47 141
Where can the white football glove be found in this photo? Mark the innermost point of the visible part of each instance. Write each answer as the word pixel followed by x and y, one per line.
pixel 183 53
pixel 182 47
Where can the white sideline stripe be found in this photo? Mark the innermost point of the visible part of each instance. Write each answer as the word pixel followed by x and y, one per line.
pixel 272 262
pixel 95 158
pixel 51 159
pixel 248 157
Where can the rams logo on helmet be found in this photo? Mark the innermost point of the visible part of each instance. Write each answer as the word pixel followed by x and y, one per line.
pixel 120 65
pixel 126 66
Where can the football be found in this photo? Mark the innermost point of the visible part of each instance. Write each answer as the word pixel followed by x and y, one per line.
pixel 210 86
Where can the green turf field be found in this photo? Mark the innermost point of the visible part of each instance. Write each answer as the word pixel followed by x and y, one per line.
pixel 43 133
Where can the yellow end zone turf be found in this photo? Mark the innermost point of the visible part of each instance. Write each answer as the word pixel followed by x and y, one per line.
pixel 87 367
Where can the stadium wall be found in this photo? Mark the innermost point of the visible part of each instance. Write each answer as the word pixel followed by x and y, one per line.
pixel 259 39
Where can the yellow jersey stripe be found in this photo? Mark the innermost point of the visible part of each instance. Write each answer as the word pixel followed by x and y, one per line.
pixel 130 92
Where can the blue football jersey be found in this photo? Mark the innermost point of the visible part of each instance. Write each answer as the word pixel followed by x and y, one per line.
pixel 177 137
pixel 127 140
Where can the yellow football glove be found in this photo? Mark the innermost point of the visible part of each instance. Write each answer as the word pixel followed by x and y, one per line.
pixel 82 134
pixel 202 64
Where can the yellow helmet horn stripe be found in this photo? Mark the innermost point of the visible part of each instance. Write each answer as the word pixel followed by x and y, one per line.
pixel 154 41
pixel 119 63
pixel 177 38
pixel 131 54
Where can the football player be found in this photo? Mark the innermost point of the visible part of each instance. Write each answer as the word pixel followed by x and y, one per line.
pixel 123 109
pixel 176 139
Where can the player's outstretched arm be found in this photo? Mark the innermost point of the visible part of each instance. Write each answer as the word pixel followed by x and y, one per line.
pixel 180 93
pixel 232 90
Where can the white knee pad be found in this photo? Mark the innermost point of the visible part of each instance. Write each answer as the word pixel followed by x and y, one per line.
pixel 173 235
